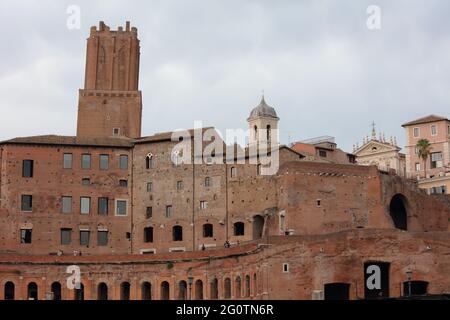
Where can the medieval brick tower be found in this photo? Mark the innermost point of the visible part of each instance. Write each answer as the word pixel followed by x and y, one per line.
pixel 110 103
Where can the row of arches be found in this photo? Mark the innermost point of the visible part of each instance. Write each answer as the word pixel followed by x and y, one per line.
pixel 244 287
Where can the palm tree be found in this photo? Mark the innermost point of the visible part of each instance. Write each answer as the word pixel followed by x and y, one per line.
pixel 423 150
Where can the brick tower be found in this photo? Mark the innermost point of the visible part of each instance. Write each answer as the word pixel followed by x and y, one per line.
pixel 110 103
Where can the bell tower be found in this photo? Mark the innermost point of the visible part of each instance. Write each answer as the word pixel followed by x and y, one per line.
pixel 110 103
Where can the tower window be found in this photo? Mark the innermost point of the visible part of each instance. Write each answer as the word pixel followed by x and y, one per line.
pixel 208 230
pixel 268 132
pixel 27 168
pixel 285 267
pixel 149 161
pixel 148 234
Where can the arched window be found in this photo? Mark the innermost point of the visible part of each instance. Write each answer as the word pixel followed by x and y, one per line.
pixel 165 290
pixel 247 286
pixel 398 212
pixel 182 290
pixel 102 291
pixel 239 229
pixel 238 287
pixel 177 233
pixel 199 290
pixel 79 293
pixel 149 161
pixel 208 230
pixel 146 291
pixel 125 291
pixel 214 289
pixel 56 290
pixel 268 132
pixel 32 291
pixel 9 290
pixel 227 288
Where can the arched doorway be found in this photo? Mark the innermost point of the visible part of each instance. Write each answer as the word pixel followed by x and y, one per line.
pixel 398 212
pixel 125 291
pixel 337 291
pixel 199 290
pixel 146 289
pixel 258 225
pixel 9 290
pixel 182 290
pixel 102 291
pixel 227 288
pixel 165 291
pixel 32 291
pixel 56 290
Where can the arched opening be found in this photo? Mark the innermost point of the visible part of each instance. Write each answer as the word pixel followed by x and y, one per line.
pixel 227 288
pixel 397 210
pixel 102 291
pixel 125 291
pixel 177 233
pixel 208 231
pixel 32 291
pixel 149 161
pixel 238 287
pixel 182 290
pixel 255 129
pixel 415 288
pixel 199 290
pixel 146 291
pixel 239 229
pixel 255 285
pixel 56 290
pixel 258 226
pixel 214 289
pixel 337 291
pixel 165 290
pixel 9 290
pixel 247 286
pixel 79 293
pixel 268 132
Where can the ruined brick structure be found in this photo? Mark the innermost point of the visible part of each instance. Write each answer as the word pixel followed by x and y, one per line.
pixel 140 225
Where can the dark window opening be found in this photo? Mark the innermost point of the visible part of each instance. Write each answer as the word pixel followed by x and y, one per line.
pixel 85 181
pixel 56 290
pixel 27 168
pixel 182 290
pixel 148 234
pixel 199 290
pixel 208 230
pixel 227 288
pixel 9 293
pixel 239 229
pixel 84 237
pixel 247 286
pixel 79 292
pixel 66 236
pixel 149 212
pixel 258 227
pixel 214 289
pixel 32 291
pixel 103 206
pixel 337 291
pixel 102 291
pixel 165 290
pixel 26 202
pixel 415 288
pixel 25 235
pixel 102 238
pixel 177 233
pixel 376 279
pixel 322 153
pixel 238 288
pixel 123 183
pixel 146 291
pixel 125 291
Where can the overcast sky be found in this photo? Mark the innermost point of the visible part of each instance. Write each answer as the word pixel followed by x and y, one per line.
pixel 319 65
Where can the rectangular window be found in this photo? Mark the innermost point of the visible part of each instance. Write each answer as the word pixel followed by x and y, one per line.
pixel 168 211
pixel 25 235
pixel 86 161
pixel 203 205
pixel 149 212
pixel 149 186
pixel 66 204
pixel 103 206
pixel 121 208
pixel 123 183
pixel 66 236
pixel 436 160
pixel 123 162
pixel 85 181
pixel 433 130
pixel 322 153
pixel 67 160
pixel 416 132
pixel 116 131
pixel 102 238
pixel 179 185
pixel 417 166
pixel 85 205
pixel 148 234
pixel 104 162
pixel 233 172
pixel 26 203
pixel 84 237
pixel 27 168
pixel 207 182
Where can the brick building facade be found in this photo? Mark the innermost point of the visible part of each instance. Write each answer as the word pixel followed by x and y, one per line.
pixel 141 225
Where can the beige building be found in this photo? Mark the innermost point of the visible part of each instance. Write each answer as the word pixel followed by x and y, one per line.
pixel 436 130
pixel 380 152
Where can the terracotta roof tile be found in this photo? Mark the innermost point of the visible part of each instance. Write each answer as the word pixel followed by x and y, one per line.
pixel 430 118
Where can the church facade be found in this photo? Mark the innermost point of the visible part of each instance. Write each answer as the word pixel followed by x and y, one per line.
pixel 136 223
